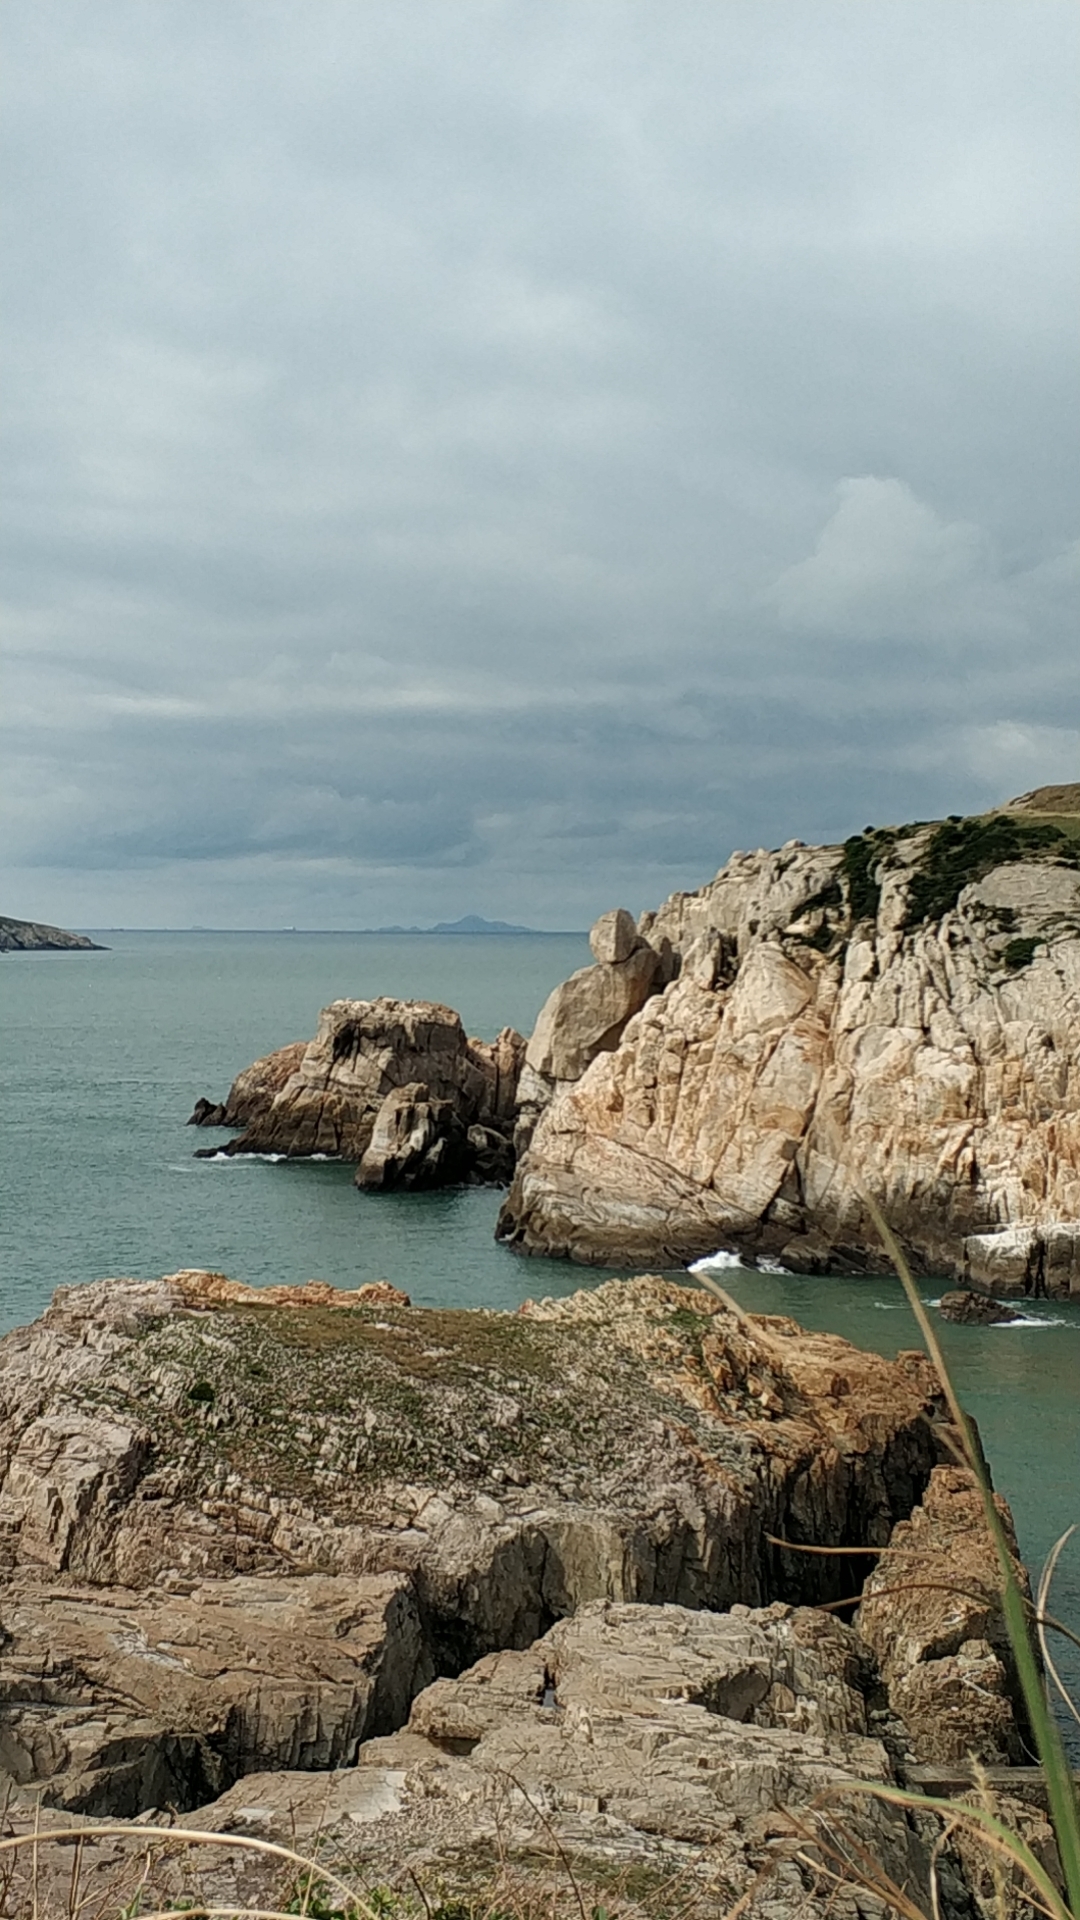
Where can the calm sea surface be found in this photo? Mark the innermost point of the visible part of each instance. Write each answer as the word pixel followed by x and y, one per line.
pixel 104 1055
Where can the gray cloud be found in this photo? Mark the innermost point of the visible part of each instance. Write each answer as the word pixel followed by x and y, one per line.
pixel 495 458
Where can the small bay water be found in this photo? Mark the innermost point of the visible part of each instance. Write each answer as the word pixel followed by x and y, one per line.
pixel 104 1055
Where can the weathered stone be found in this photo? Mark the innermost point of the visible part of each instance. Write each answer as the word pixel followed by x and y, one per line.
pixel 113 1701
pixel 826 1039
pixel 416 1142
pixel 931 1613
pixel 628 1737
pixel 253 1092
pixel 364 1066
pixel 975 1310
pixel 637 1442
pixel 614 937
pixel 586 1015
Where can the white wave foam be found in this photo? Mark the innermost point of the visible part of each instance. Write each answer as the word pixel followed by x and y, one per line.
pixel 238 1159
pixel 721 1262
pixel 767 1265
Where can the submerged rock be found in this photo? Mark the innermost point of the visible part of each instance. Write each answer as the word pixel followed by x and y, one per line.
pixel 969 1309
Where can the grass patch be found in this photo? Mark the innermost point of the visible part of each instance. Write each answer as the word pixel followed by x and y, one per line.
pixel 960 852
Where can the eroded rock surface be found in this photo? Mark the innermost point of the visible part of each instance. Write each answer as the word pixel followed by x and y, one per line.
pixel 900 1015
pixel 115 1700
pixel 195 1445
pixel 393 1083
pixel 931 1614
pixel 627 1736
pixel 32 936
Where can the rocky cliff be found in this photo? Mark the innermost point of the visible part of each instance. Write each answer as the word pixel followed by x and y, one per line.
pixel 897 1016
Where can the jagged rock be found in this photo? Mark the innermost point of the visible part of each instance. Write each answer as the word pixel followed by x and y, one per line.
pixel 416 1142
pixel 253 1092
pixel 114 1701
pixel 931 1613
pixel 896 1016
pixel 640 1442
pixel 393 1084
pixel 627 1737
pixel 975 1310
pixel 32 936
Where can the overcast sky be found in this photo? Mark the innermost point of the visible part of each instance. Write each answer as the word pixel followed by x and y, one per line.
pixel 500 455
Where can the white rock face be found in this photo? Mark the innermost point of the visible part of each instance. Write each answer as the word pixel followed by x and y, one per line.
pixel 826 1038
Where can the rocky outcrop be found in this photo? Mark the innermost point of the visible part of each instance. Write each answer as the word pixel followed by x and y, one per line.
pixel 31 936
pixel 967 1309
pixel 201 1451
pixel 896 1016
pixel 587 1014
pixel 395 1085
pixel 253 1092
pixel 628 1738
pixel 931 1613
pixel 114 1701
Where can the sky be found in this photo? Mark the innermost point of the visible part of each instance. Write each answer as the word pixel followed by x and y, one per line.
pixel 499 457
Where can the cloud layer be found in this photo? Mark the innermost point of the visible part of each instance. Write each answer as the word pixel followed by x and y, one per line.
pixel 498 459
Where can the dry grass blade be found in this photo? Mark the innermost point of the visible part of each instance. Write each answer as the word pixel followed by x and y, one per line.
pixel 192 1837
pixel 994 1833
pixel 1042 1620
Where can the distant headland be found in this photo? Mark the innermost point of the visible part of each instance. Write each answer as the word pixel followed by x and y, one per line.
pixel 30 936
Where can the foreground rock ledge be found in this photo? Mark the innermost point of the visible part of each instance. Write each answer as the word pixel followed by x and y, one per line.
pixel 214 1462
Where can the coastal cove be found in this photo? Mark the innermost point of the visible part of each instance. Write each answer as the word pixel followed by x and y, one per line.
pixel 106 1053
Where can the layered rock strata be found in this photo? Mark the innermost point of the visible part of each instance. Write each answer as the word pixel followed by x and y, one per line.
pixel 225 1469
pixel 897 1016
pixel 395 1085
pixel 683 1746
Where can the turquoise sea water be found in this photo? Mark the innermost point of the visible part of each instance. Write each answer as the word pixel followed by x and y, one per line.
pixel 105 1054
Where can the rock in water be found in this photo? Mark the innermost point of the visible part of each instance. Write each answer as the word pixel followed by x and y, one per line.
pixel 895 1015
pixel 395 1085
pixel 969 1309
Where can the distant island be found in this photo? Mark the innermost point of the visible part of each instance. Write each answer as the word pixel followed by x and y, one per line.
pixel 30 936
pixel 469 923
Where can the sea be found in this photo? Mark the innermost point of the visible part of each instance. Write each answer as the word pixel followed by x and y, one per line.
pixel 104 1055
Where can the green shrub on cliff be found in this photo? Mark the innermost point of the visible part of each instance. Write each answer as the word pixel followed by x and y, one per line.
pixel 960 852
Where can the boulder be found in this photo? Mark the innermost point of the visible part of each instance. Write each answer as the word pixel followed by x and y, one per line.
pixel 894 1017
pixel 931 1614
pixel 614 937
pixel 969 1309
pixel 586 1015
pixel 416 1142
